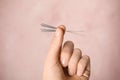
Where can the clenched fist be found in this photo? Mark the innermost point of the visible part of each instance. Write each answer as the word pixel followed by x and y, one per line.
pixel 65 62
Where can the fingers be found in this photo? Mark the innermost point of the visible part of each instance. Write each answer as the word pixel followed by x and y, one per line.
pixel 82 65
pixel 54 51
pixel 87 71
pixel 72 58
pixel 86 74
pixel 72 66
pixel 66 53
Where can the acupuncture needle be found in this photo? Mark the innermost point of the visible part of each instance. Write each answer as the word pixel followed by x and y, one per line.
pixel 49 28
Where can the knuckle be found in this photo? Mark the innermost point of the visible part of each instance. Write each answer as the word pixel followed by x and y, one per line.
pixel 68 43
pixel 86 57
pixel 77 53
pixel 68 48
pixel 85 60
pixel 78 50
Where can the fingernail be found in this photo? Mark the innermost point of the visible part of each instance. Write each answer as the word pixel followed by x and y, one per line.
pixel 57 32
pixel 79 71
pixel 64 62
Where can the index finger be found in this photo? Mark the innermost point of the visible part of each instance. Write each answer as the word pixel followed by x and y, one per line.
pixel 56 43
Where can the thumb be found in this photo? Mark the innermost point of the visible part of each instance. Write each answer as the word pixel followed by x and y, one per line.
pixel 55 47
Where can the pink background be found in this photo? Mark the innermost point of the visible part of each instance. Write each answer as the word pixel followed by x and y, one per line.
pixel 23 47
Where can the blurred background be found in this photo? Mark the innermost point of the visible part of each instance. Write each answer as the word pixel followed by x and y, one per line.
pixel 23 46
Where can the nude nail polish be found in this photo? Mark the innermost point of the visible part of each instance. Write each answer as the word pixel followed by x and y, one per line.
pixel 64 62
pixel 57 32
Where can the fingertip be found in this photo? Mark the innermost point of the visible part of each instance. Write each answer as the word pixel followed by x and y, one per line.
pixel 56 43
pixel 83 63
pixel 63 28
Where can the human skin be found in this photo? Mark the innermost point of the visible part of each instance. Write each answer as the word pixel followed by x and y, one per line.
pixel 67 62
pixel 23 47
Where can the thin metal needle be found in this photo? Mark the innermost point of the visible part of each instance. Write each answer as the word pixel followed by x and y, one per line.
pixel 53 29
pixel 46 30
pixel 48 26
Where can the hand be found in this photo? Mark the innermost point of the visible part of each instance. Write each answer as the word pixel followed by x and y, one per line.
pixel 65 63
